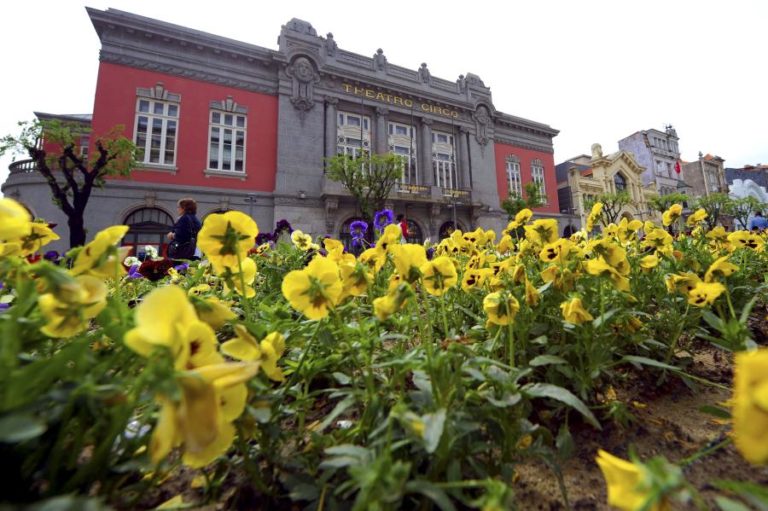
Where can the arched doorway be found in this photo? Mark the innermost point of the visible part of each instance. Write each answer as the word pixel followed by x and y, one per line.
pixel 447 229
pixel 415 234
pixel 148 226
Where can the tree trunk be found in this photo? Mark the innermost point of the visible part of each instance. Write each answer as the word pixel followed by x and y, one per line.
pixel 76 230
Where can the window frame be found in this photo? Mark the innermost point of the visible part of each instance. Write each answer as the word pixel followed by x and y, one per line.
pixel 145 150
pixel 221 126
pixel 537 167
pixel 513 169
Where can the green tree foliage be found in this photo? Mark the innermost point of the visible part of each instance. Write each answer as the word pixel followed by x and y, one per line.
pixel 531 198
pixel 54 147
pixel 715 204
pixel 369 178
pixel 743 208
pixel 663 202
pixel 613 203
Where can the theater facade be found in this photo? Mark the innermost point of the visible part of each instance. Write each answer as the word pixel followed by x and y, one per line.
pixel 238 126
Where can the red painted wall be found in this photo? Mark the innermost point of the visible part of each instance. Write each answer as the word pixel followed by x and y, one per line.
pixel 115 103
pixel 526 157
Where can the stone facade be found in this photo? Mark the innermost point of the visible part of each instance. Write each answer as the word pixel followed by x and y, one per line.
pixel 583 178
pixel 704 176
pixel 298 104
pixel 658 152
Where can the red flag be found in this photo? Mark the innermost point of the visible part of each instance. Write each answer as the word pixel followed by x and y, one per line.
pixel 677 166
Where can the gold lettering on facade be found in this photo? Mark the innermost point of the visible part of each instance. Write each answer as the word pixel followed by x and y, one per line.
pixel 398 100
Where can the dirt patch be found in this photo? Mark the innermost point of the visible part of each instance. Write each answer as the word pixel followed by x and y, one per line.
pixel 668 422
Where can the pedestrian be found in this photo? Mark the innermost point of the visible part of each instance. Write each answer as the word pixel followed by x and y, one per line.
pixel 403 228
pixel 758 223
pixel 183 238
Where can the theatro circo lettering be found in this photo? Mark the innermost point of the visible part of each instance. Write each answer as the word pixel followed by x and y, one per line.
pixel 398 100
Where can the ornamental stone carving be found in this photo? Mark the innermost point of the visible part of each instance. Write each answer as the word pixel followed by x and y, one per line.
pixel 304 78
pixel 379 61
pixel 482 121
pixel 330 45
pixel 424 74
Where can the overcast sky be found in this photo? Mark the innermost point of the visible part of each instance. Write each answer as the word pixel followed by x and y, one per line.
pixel 595 70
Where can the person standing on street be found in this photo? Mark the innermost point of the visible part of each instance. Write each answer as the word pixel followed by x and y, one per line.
pixel 184 235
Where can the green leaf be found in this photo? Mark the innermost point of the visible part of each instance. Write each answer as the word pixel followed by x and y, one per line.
pixel 755 494
pixel 562 395
pixel 649 362
pixel 20 427
pixel 727 504
pixel 433 429
pixel 598 321
pixel 340 408
pixel 716 411
pixel 543 360
pixel 564 443
pixel 432 492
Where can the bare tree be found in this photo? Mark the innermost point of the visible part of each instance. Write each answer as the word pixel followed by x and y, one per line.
pixel 54 147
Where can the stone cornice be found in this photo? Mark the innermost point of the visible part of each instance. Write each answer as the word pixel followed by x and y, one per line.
pixel 523 144
pixel 518 123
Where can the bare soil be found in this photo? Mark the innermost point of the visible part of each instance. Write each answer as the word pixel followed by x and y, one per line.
pixel 668 422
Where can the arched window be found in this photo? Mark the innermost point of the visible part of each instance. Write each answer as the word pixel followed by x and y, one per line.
pixel 148 226
pixel 620 182
pixel 414 233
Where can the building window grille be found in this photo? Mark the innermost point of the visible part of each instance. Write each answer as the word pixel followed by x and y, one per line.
pixel 444 160
pixel 147 226
pixel 353 134
pixel 402 141
pixel 537 176
pixel 514 181
pixel 226 141
pixel 156 131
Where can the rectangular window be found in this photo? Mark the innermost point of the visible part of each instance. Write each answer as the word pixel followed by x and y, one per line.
pixel 226 141
pixel 537 176
pixel 353 134
pixel 514 181
pixel 155 131
pixel 402 141
pixel 444 160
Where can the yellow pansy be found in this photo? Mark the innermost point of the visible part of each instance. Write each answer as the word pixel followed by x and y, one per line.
pixel 101 258
pixel 628 483
pixel 558 251
pixel 745 239
pixel 501 307
pixel 672 214
pixel 301 241
pixel 355 277
pixel 14 220
pixel 395 300
pixel 241 281
pixel 315 289
pixel 39 236
pixel 532 295
pixel 601 267
pixel 720 268
pixel 225 238
pixel 389 238
pixel 574 312
pixel 68 314
pixel 594 215
pixel 541 232
pixel 334 248
pixel 268 351
pixel 705 293
pixel 439 275
pixel 162 320
pixel 649 262
pixel 718 234
pixel 474 278
pixel 506 244
pixel 408 259
pixel 698 216
pixel 213 311
pixel 658 239
pixel 682 283
pixel 211 398
pixel 523 216
pixel 374 258
pixel 750 405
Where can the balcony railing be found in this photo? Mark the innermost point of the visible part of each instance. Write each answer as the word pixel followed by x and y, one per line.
pixel 22 167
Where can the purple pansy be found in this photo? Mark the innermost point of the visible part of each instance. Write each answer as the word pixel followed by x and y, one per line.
pixel 383 218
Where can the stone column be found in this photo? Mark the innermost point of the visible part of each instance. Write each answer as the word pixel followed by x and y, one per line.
pixel 330 127
pixel 465 181
pixel 382 133
pixel 425 151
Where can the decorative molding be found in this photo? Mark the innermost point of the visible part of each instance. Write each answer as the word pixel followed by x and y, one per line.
pixel 523 145
pixel 330 100
pixel 330 45
pixel 158 92
pixel 424 75
pixel 225 174
pixel 482 120
pixel 382 111
pixel 304 77
pixel 229 105
pixel 380 61
pixel 427 121
pixel 209 75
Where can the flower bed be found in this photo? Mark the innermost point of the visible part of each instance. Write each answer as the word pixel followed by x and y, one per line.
pixel 293 373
